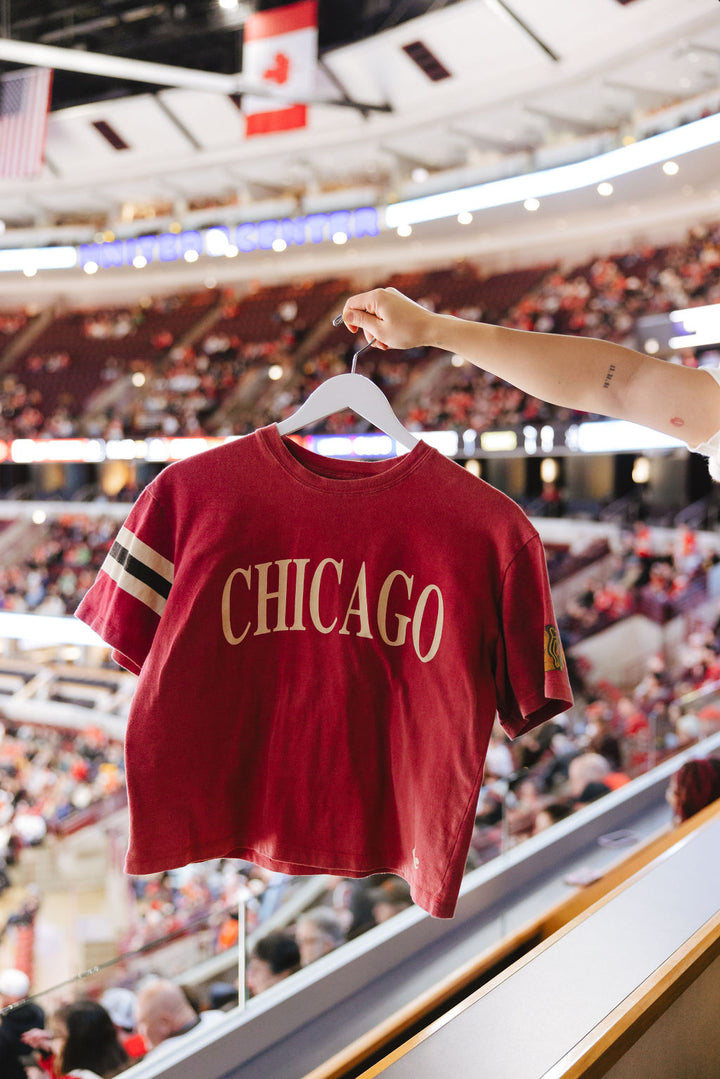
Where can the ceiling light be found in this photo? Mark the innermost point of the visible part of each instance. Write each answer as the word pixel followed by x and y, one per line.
pixel 279 244
pixel 39 517
pixel 90 267
pixel 631 157
pixel 138 379
pixel 139 261
pixel 652 345
pixel 671 168
pixel 275 372
pixel 2 227
pixel 191 255
pixel 473 466
pixel 641 470
pixel 210 282
pixel 549 470
pixel 419 175
pixel 605 189
pixel 339 238
pixel 404 230
pixel 464 217
pixel 228 5
pixel 232 250
pixel 30 271
pixel 531 205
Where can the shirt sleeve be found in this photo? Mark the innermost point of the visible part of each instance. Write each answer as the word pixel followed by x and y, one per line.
pixel 531 681
pixel 127 600
pixel 711 448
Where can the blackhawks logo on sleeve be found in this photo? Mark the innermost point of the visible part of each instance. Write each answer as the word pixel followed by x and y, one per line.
pixel 554 659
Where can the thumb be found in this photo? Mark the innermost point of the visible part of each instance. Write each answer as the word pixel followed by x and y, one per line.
pixel 358 319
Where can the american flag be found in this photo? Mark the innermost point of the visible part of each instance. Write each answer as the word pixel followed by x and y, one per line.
pixel 24 107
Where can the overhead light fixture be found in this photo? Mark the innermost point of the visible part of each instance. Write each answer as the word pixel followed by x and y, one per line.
pixel 279 244
pixel 605 189
pixel 91 267
pixel 38 258
pixel 701 325
pixel 531 205
pixel 549 470
pixel 671 168
pixel 641 470
pixel 139 262
pixel 464 217
pixel 190 256
pixel 339 238
pixel 404 230
pixel 631 157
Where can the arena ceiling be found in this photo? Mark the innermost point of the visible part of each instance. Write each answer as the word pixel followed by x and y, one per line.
pixel 529 84
pixel 200 34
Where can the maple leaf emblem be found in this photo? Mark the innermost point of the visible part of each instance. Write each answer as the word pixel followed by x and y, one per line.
pixel 280 69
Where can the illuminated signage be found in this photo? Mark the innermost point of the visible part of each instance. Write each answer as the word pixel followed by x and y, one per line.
pixel 273 234
pixel 700 325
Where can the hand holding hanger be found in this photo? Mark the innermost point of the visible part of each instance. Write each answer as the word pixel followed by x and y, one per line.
pixel 355 392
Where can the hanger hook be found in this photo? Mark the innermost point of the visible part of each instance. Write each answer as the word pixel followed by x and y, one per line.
pixel 337 321
pixel 359 352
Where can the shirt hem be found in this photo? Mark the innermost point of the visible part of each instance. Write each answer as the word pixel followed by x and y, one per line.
pixel 428 901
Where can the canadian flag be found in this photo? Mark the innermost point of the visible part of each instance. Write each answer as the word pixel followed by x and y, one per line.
pixel 280 50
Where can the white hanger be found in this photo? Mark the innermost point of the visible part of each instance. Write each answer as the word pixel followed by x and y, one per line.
pixel 349 391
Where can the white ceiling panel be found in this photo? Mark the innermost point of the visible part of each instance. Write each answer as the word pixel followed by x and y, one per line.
pixel 75 146
pixel 469 38
pixel 212 120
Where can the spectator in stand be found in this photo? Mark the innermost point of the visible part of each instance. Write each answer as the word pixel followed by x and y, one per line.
pixel 166 1017
pixel 318 932
pixel 693 787
pixel 121 1006
pixel 273 959
pixel 15 1022
pixel 551 814
pixel 391 897
pixel 82 1043
pixel 587 771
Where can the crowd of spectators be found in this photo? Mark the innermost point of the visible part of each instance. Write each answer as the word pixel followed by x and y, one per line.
pixel 46 775
pixel 659 582
pixel 59 569
pixel 192 389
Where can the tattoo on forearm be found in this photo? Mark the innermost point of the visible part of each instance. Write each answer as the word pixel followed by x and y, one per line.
pixel 677 421
pixel 609 376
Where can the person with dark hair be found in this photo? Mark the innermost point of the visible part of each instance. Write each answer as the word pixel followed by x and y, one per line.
pixel 551 814
pixel 20 1017
pixel 83 1041
pixel 275 957
pixel 693 787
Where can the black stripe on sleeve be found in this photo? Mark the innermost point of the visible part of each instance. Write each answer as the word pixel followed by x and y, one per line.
pixel 138 569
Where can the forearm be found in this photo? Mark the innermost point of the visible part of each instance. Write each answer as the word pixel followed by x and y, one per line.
pixel 589 375
pixel 579 373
